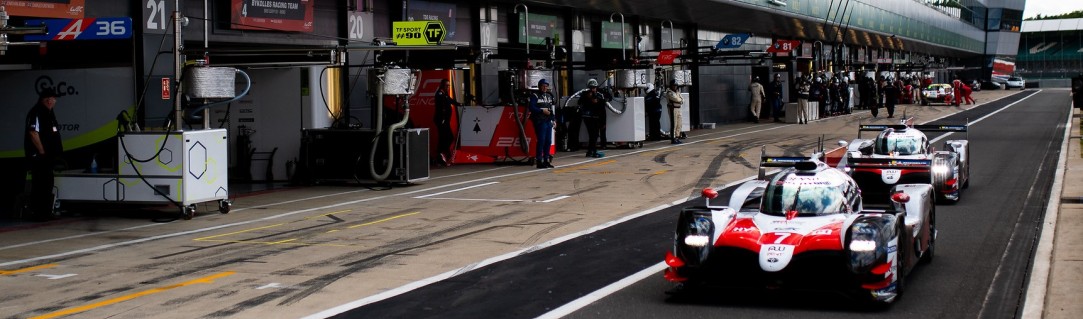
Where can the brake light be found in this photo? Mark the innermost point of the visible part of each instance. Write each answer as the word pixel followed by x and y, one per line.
pixel 673 261
pixel 950 183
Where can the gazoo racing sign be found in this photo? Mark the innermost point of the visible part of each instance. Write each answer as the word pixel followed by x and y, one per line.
pixel 418 32
pixel 82 29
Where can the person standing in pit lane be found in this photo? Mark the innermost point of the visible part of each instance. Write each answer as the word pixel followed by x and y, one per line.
pixel 776 97
pixel 42 147
pixel 591 107
pixel 541 113
pixel 442 118
pixel 758 95
pixel 676 101
pixel 802 101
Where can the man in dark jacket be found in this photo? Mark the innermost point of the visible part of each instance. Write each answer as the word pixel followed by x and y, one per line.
pixel 42 147
pixel 442 118
pixel 591 110
pixel 541 113
pixel 891 97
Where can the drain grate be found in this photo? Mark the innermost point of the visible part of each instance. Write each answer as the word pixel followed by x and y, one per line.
pixel 1071 200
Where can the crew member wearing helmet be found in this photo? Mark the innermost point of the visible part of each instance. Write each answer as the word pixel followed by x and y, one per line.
pixel 541 113
pixel 673 95
pixel 757 98
pixel 591 109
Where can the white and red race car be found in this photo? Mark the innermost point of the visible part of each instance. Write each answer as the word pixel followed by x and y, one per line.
pixel 948 170
pixel 804 228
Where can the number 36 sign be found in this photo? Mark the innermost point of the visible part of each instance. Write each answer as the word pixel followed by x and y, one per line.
pixel 82 29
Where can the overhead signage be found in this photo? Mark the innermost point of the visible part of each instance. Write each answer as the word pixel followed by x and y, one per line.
pixel 82 29
pixel 732 41
pixel 666 57
pixel 614 38
pixel 783 46
pixel 70 9
pixel 541 27
pixel 274 15
pixel 418 32
pixel 445 12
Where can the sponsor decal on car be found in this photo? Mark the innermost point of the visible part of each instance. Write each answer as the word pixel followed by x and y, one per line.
pixel 891 176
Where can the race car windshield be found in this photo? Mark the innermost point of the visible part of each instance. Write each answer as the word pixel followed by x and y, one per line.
pixel 898 144
pixel 807 195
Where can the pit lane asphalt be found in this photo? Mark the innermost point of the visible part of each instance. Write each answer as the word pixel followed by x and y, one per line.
pixel 984 248
pixel 300 251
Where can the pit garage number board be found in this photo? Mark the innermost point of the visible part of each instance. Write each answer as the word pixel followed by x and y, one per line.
pixel 82 29
pixel 418 32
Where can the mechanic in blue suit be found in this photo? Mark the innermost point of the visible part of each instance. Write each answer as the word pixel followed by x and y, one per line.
pixel 541 113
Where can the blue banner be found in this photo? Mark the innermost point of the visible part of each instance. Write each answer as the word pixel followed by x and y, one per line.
pixel 732 41
pixel 82 29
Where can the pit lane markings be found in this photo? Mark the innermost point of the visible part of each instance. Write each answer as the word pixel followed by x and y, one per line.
pixel 430 196
pixel 27 269
pixel 75 310
pixel 293 241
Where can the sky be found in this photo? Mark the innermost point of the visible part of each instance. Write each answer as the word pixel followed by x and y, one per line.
pixel 1051 7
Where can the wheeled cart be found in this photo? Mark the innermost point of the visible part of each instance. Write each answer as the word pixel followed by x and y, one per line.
pixel 184 168
pixel 628 128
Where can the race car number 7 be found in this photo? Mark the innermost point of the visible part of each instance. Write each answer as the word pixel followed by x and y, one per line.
pixel 781 237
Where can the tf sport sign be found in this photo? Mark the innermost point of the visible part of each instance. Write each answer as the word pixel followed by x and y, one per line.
pixel 82 29
pixel 418 32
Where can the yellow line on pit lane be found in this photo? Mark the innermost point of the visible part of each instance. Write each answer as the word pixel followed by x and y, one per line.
pixel 208 238
pixel 578 167
pixel 279 243
pixel 16 271
pixel 383 220
pixel 69 311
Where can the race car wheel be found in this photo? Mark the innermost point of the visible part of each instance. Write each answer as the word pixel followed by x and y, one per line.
pixel 927 257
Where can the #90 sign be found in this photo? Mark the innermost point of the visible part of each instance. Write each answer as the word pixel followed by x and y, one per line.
pixel 418 32
pixel 82 29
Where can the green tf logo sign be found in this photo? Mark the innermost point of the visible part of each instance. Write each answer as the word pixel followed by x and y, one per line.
pixel 434 32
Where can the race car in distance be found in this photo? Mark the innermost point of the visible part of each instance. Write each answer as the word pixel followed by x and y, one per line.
pixel 937 93
pixel 949 170
pixel 804 228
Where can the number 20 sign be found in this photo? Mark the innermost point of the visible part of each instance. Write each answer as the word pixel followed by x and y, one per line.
pixel 82 29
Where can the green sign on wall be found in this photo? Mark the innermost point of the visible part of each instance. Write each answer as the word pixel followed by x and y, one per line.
pixel 541 27
pixel 611 35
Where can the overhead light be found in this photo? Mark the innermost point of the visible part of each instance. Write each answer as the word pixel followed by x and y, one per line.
pixel 777 2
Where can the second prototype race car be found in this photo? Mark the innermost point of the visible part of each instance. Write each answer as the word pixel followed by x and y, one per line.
pixel 948 170
pixel 804 228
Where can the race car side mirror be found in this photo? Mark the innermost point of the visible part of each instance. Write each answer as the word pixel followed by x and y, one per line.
pixel 900 198
pixel 710 193
pixel 843 143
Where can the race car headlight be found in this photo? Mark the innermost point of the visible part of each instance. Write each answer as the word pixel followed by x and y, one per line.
pixel 696 240
pixel 862 245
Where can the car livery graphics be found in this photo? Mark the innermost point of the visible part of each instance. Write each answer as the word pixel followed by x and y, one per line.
pixel 809 230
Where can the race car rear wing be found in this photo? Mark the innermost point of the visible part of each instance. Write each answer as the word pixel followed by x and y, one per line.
pixel 889 163
pixel 788 161
pixel 956 128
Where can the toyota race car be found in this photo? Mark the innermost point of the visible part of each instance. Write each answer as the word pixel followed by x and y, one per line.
pixel 948 170
pixel 937 93
pixel 804 228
